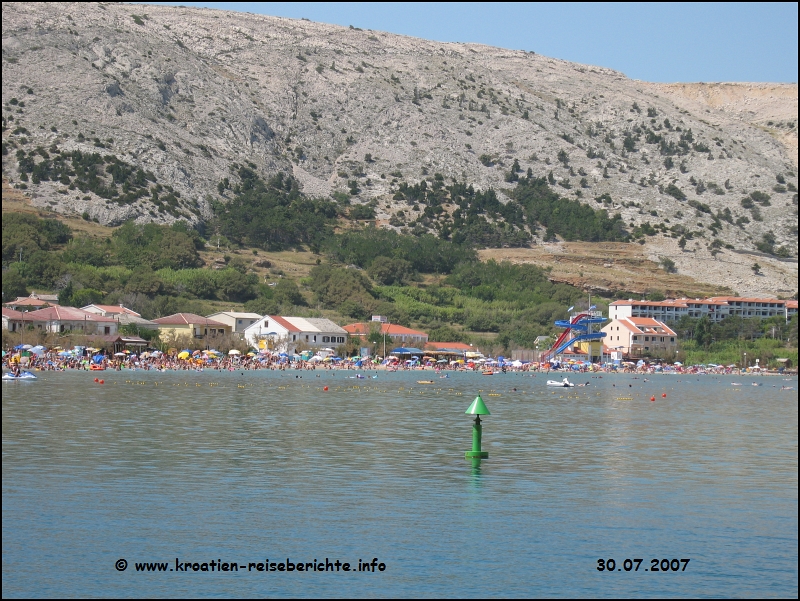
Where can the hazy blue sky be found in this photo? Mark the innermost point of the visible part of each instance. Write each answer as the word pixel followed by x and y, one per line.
pixel 654 42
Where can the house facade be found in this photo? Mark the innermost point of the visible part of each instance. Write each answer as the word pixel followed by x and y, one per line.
pixel 237 321
pixel 192 325
pixel 398 335
pixel 637 336
pixel 12 320
pixel 292 334
pixel 61 320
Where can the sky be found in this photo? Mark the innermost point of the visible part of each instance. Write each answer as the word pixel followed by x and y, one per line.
pixel 658 42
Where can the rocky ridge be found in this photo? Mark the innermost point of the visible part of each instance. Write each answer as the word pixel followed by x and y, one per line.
pixel 184 93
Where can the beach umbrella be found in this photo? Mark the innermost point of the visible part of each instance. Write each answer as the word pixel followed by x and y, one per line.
pixel 119 354
pixel 233 351
pixel 251 354
pixel 186 350
pixel 184 355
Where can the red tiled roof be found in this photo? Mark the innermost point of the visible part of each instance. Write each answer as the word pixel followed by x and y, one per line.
pixel 640 325
pixel 728 299
pixel 27 301
pixel 791 304
pixel 284 323
pixel 187 319
pixel 683 302
pixel 359 329
pixel 11 314
pixel 115 309
pixel 59 313
pixel 450 346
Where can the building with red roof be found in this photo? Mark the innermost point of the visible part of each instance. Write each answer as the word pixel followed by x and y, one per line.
pixel 110 310
pixel 58 319
pixel 636 336
pixel 190 324
pixel 716 308
pixel 293 334
pixel 12 320
pixel 399 335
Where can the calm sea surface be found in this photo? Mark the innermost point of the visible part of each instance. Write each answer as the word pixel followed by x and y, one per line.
pixel 242 468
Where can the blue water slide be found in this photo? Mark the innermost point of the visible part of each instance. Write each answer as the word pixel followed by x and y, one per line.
pixel 580 338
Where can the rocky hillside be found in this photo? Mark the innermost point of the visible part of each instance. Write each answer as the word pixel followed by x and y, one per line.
pixel 124 111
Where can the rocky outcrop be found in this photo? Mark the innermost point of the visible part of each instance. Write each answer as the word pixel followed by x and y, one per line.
pixel 186 93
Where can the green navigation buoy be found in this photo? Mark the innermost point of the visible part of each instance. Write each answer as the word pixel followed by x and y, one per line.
pixel 477 409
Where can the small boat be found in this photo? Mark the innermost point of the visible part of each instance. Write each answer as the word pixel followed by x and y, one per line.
pixel 565 383
pixel 25 375
pixel 488 372
pixel 424 381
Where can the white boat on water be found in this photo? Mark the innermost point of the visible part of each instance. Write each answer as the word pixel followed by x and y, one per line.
pixel 565 383
pixel 25 375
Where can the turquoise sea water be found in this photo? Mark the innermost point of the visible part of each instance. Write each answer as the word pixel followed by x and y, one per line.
pixel 151 467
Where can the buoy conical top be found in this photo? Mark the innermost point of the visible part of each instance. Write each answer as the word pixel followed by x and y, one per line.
pixel 478 407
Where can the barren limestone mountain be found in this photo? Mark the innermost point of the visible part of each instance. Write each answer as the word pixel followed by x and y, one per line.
pixel 166 100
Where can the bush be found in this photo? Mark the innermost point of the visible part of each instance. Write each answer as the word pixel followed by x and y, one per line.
pixel 675 192
pixel 567 218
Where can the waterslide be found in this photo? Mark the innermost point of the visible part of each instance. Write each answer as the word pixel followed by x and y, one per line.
pixel 575 330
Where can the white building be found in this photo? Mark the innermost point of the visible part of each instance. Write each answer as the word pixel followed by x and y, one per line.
pixel 290 334
pixel 237 321
pixel 715 308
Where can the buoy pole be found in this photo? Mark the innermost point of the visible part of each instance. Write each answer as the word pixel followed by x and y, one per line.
pixel 477 409
pixel 476 452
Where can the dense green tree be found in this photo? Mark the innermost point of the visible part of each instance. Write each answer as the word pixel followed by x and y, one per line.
pixel 273 214
pixel 87 251
pixel 13 285
pixel 235 286
pixel 388 271
pixel 287 293
pixel 567 218
pixel 335 285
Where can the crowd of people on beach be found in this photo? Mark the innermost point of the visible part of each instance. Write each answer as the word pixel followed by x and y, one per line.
pixel 90 359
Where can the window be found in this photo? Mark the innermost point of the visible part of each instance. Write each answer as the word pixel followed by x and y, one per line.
pixel 340 339
pixel 326 339
pixel 672 339
pixel 107 330
pixel 647 338
pixel 240 321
